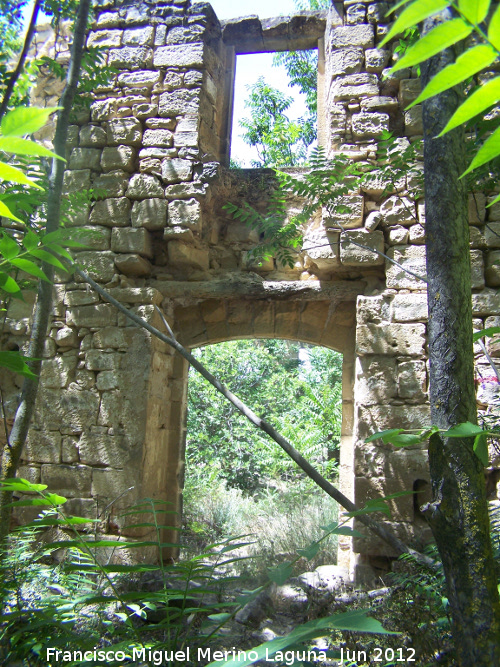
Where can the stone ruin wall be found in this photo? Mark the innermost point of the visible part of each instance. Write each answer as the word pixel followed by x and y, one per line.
pixel 109 427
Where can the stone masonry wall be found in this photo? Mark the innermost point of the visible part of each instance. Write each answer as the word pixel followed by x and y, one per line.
pixel 110 421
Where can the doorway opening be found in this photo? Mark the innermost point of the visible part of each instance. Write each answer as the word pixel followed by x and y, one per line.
pixel 237 480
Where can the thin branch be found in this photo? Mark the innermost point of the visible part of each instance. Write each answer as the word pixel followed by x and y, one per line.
pixel 376 527
pixel 22 58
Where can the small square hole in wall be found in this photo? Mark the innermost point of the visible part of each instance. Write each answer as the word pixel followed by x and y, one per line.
pixel 274 109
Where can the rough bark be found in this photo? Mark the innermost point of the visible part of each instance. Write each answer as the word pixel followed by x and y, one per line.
pixel 458 514
pixel 12 451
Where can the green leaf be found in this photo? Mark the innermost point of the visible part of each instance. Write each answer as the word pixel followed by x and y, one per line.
pixel 14 361
pixel 29 267
pixel 219 618
pixel 480 100
pixel 383 435
pixel 465 430
pixel 30 240
pixel 474 11
pixel 9 248
pixel 348 531
pixel 5 212
pixel 25 120
pixel 280 573
pixel 47 257
pixel 497 199
pixel 490 331
pixel 54 499
pixel 20 146
pixel 439 38
pixel 21 484
pixel 489 150
pixel 309 552
pixel 15 175
pixel 8 284
pixel 405 440
pixel 415 13
pixel 481 449
pixel 373 505
pixel 469 63
pixel 494 29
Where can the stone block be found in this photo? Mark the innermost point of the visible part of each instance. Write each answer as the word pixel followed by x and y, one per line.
pixel 416 235
pixel 30 473
pixel 58 372
pixel 477 208
pixel 105 38
pixel 179 102
pixel 374 418
pixel 493 209
pixel 142 36
pixel 131 57
pixel 409 308
pixel 68 480
pixel 486 302
pixel 99 360
pixel 113 484
pixel 119 157
pixel 139 79
pixel 179 55
pixel 411 258
pixel 374 309
pixel 93 136
pixel 398 211
pixel 98 265
pixel 69 450
pixel 376 380
pixel 98 315
pixel 477 269
pixel 81 297
pixel 492 269
pixel 150 213
pixel 189 139
pixel 185 213
pixel 186 190
pixel 378 103
pixel 356 35
pixel 98 448
pixel 346 61
pixel 176 170
pixel 70 411
pixel 161 138
pixel 66 337
pixel 412 380
pixel 492 234
pixel 113 183
pixel 413 121
pixel 355 85
pixel 93 238
pixel 376 59
pixel 132 241
pixel 338 119
pixel 181 255
pixel 133 265
pixel 143 186
pixel 124 131
pixel 113 212
pixel 42 447
pixel 85 158
pixel 393 339
pixel 351 254
pixel 76 180
pixel 351 218
pixel 409 90
pixel 369 125
pixel 355 14
pixel 322 248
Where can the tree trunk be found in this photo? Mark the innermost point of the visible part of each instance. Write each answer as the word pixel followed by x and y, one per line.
pixel 458 514
pixel 13 449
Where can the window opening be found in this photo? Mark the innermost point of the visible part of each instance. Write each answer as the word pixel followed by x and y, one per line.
pixel 274 109
pixel 238 481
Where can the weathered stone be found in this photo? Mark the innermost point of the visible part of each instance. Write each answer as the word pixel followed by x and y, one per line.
pixel 375 380
pixel 85 158
pixel 92 136
pixel 186 139
pixel 413 121
pixel 58 372
pixel 412 380
pixel 94 237
pixel 162 138
pixel 76 180
pixel 355 85
pixel 185 213
pixel 398 211
pixel 42 447
pixel 492 269
pixel 376 59
pixel 394 339
pixel 97 360
pixel 140 79
pixel 477 269
pixel 68 480
pixel 131 57
pixel 416 235
pixel 349 220
pixel 368 125
pixel 409 90
pixel 80 297
pixel 132 241
pixel 186 190
pixel 491 234
pixel 179 102
pixel 113 337
pixel 105 38
pixel 358 35
pixel 477 208
pixel 150 213
pixel 409 308
pixel 98 265
pixel 322 248
pixel 185 256
pixel 351 254
pixel 111 212
pixel 382 417
pixel 378 103
pixel 184 35
pixel 113 184
pixel 133 265
pixel 179 55
pixel 486 302
pixel 411 258
pixel 139 36
pixel 112 484
pixel 355 14
pixel 121 157
pixel 126 131
pixel 142 186
pixel 99 315
pixel 66 337
pixel 373 220
pixel 346 61
pixel 493 209
pixel 176 170
pixel 338 118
